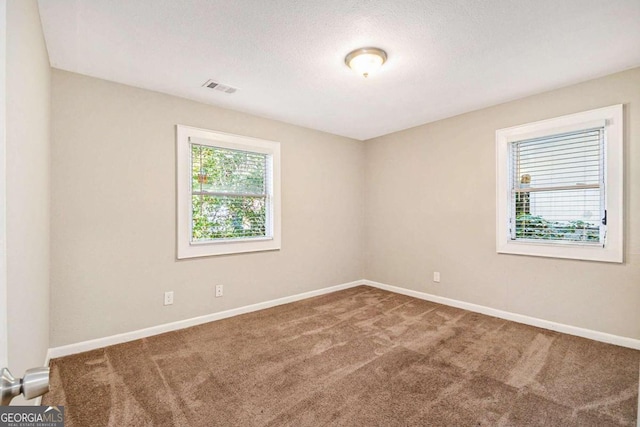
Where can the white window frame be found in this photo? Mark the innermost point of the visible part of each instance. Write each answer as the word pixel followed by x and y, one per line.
pixel 185 136
pixel 612 249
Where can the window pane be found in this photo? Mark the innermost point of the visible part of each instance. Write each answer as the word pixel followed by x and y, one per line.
pixel 545 205
pixel 228 171
pixel 227 217
pixel 560 160
pixel 565 215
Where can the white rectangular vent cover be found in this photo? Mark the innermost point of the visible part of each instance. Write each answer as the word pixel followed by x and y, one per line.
pixel 219 87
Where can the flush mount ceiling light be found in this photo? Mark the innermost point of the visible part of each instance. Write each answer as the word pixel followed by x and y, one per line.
pixel 366 60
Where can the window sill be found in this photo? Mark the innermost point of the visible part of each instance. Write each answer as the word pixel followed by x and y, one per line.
pixel 593 252
pixel 228 247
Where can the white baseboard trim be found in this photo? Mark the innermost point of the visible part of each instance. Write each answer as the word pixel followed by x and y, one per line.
pixel 83 346
pixel 519 318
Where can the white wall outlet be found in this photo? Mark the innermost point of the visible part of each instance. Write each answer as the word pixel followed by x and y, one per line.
pixel 218 291
pixel 168 298
pixel 436 276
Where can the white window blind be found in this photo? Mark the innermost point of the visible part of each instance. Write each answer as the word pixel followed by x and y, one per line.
pixel 557 188
pixel 230 194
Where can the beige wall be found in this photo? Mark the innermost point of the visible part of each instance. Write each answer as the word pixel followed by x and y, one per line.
pixel 28 187
pixel 430 206
pixel 113 212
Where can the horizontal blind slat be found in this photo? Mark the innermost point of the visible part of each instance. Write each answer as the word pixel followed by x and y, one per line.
pixel 555 188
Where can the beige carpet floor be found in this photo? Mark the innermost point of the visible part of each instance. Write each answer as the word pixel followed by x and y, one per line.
pixel 358 357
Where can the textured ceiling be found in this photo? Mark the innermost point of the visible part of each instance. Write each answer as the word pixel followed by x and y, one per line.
pixel 286 58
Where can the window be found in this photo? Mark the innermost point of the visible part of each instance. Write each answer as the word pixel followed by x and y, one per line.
pixel 560 187
pixel 228 193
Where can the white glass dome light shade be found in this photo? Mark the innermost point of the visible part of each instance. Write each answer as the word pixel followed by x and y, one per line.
pixel 366 61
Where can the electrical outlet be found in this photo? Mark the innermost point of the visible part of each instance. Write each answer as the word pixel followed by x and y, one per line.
pixel 436 276
pixel 218 291
pixel 168 298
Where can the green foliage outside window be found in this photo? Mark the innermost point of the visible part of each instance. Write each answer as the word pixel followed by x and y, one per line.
pixel 229 193
pixel 536 227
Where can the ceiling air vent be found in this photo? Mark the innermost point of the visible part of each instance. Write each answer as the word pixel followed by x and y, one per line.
pixel 219 87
